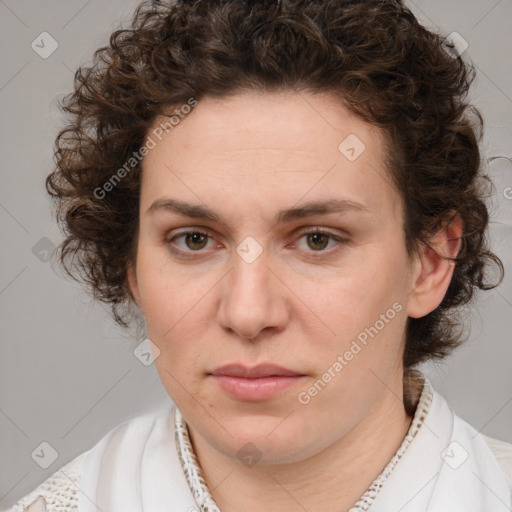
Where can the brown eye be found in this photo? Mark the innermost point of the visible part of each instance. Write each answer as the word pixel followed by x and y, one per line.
pixel 318 241
pixel 189 241
pixel 196 241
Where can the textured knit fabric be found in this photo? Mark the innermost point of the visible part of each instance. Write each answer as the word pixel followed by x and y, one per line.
pixel 59 492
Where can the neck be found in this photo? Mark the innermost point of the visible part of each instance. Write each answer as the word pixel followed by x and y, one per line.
pixel 330 481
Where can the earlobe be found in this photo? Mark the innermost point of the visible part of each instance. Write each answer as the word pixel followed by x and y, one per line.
pixel 133 285
pixel 433 273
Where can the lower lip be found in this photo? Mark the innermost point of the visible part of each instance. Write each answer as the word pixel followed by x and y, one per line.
pixel 255 390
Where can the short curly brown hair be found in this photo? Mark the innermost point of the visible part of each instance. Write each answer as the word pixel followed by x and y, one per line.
pixel 374 55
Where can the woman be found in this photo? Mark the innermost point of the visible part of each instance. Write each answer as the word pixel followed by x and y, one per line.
pixel 287 197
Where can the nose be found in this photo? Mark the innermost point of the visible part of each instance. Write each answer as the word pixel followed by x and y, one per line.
pixel 254 301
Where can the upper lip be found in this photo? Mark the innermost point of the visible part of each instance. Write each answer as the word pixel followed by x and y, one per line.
pixel 261 370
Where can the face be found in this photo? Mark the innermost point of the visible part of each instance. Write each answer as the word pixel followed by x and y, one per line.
pixel 270 234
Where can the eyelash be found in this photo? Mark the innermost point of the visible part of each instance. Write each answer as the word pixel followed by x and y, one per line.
pixel 199 231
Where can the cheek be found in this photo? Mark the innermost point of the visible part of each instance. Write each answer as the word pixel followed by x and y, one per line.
pixel 177 312
pixel 349 298
pixel 170 294
pixel 366 305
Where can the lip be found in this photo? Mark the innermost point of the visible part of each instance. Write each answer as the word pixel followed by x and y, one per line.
pixel 255 384
pixel 256 372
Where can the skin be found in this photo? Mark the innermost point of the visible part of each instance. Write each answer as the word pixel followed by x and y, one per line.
pixel 246 157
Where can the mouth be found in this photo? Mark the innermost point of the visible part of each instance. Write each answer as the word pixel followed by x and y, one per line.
pixel 255 384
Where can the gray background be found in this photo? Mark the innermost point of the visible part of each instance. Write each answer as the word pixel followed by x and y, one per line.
pixel 68 373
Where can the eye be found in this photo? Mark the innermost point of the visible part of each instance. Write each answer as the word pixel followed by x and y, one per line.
pixel 318 240
pixel 193 240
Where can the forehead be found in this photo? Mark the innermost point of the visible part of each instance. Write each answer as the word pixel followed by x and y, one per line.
pixel 263 149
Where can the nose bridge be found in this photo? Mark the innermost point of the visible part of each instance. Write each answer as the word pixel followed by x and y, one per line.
pixel 249 284
pixel 251 263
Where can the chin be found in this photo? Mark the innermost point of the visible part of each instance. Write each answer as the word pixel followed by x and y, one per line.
pixel 268 439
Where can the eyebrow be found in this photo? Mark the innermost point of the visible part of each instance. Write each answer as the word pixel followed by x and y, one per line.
pixel 197 211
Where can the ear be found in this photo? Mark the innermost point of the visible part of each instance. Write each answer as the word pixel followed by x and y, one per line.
pixel 432 274
pixel 132 284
